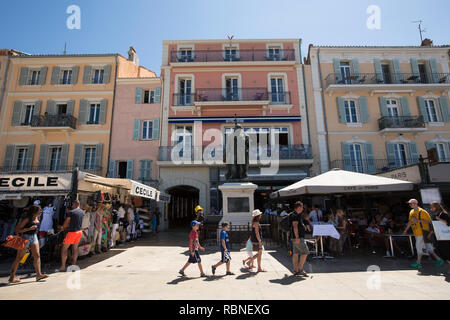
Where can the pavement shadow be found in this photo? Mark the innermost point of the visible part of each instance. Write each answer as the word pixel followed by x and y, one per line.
pixel 246 273
pixel 180 279
pixel 287 280
pixel 214 278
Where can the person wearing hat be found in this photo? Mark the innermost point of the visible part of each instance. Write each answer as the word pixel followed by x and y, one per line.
pixel 199 214
pixel 256 238
pixel 194 246
pixel 420 221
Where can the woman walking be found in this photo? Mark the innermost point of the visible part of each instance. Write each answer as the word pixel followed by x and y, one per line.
pixel 443 246
pixel 29 228
pixel 341 227
pixel 256 237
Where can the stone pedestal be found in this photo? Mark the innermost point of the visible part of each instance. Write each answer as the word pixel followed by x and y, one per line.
pixel 238 202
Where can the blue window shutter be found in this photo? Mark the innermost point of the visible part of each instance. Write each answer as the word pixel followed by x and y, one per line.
pixel 9 156
pixel 107 74
pixel 87 74
pixel 64 155
pixel 346 156
pixel 434 70
pixel 364 109
pixel 37 108
pixel 42 76
pixel 443 102
pixel 17 113
pixel 156 129
pixel 383 107
pixel 337 69
pixel 75 71
pixel 355 66
pixel 23 76
pixel 130 169
pixel 103 111
pixel 378 69
pixel 70 105
pixel 149 169
pixel 391 155
pixel 397 70
pixel 136 129
pixel 98 157
pixel 138 97
pixel 51 107
pixel 341 110
pixel 83 112
pixel 158 95
pixel 413 152
pixel 370 158
pixel 405 106
pixel 43 157
pixel 29 157
pixel 142 169
pixel 55 75
pixel 422 109
pixel 430 145
pixel 78 156
pixel 112 169
pixel 415 67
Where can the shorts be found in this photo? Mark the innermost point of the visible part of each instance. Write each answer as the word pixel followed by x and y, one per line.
pixel 256 246
pixel 195 258
pixel 73 237
pixel 422 247
pixel 225 257
pixel 300 248
pixel 32 239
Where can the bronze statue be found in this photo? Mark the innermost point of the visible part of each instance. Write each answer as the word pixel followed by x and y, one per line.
pixel 237 166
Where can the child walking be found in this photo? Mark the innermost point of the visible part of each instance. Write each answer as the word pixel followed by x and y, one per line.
pixel 250 259
pixel 224 249
pixel 194 246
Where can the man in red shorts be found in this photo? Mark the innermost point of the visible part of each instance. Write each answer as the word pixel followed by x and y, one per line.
pixel 73 224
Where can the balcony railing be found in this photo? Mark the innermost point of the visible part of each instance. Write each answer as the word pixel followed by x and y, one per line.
pixel 240 55
pixel 381 78
pixel 371 166
pixel 62 120
pixel 182 99
pixel 236 94
pixel 401 122
pixel 291 152
pixel 47 169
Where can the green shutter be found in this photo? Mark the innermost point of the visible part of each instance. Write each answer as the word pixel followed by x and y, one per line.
pixel 70 105
pixel 17 113
pixel 43 164
pixel 383 107
pixel 42 76
pixel 378 69
pixel 346 156
pixel 103 110
pixel 51 107
pixel 397 70
pixel 415 68
pixel 142 167
pixel 83 112
pixel 443 102
pixel 130 169
pixel 434 70
pixel 136 129
pixel 158 95
pixel 75 71
pixel 29 158
pixel 413 152
pixel 355 67
pixel 107 74
pixel 9 155
pixel 405 106
pixel 78 156
pixel 391 155
pixel 422 109
pixel 370 158
pixel 37 108
pixel 155 135
pixel 23 76
pixel 64 155
pixel 430 145
pixel 87 74
pixel 55 75
pixel 337 69
pixel 341 110
pixel 112 169
pixel 98 157
pixel 138 97
pixel 149 169
pixel 364 109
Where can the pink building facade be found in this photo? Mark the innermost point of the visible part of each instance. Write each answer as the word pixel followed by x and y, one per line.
pixel 207 83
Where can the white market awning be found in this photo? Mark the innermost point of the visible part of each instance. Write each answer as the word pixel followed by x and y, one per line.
pixel 341 181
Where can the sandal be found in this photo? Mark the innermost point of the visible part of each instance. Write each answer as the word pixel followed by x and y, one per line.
pixel 302 273
pixel 15 280
pixel 261 270
pixel 42 277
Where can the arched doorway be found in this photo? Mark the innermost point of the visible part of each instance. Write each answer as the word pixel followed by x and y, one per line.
pixel 183 200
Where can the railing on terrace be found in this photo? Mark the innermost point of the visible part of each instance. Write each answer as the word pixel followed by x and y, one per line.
pixel 61 120
pixel 401 122
pixel 47 169
pixel 223 55
pixel 237 94
pixel 371 166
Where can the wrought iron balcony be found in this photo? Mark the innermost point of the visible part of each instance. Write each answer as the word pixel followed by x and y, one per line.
pixel 240 55
pixel 236 94
pixel 47 121
pixel 47 169
pixel 401 122
pixel 371 166
pixel 182 99
pixel 381 78
pixel 291 152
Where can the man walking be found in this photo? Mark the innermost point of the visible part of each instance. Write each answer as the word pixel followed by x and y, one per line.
pixel 298 240
pixel 419 221
pixel 74 224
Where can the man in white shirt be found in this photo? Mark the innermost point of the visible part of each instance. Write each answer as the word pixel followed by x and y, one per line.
pixel 46 223
pixel 316 215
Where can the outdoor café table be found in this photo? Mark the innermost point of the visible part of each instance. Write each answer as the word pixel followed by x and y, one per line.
pixel 324 230
pixel 391 235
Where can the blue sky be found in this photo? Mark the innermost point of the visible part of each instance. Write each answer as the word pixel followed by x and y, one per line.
pixel 112 26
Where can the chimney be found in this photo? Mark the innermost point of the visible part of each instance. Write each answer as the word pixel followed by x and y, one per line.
pixel 427 43
pixel 132 56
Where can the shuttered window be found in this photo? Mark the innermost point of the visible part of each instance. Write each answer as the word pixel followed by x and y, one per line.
pixel 97 76
pixel 22 154
pixel 89 158
pixel 351 113
pixel 94 113
pixel 432 112
pixel 34 77
pixel 66 76
pixel 147 130
pixel 55 158
pixel 28 114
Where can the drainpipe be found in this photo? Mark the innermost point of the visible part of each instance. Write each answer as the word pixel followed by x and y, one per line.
pixel 304 92
pixel 4 80
pixel 323 109
pixel 112 115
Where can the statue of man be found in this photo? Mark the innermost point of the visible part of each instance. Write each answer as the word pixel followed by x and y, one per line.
pixel 238 169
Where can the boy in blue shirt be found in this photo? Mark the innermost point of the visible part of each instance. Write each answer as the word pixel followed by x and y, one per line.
pixel 224 249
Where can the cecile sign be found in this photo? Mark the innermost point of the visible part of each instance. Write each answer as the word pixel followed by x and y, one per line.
pixel 29 182
pixel 141 190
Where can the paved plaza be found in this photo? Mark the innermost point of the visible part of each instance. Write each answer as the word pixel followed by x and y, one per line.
pixel 148 269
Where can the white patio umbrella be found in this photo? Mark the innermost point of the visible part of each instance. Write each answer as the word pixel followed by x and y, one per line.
pixel 341 181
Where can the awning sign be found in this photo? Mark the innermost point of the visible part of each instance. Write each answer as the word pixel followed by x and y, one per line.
pixel 141 190
pixel 31 182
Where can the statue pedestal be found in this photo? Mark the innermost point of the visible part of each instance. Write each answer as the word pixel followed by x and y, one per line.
pixel 238 202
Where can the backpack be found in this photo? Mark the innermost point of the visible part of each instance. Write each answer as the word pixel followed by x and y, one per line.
pixel 285 223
